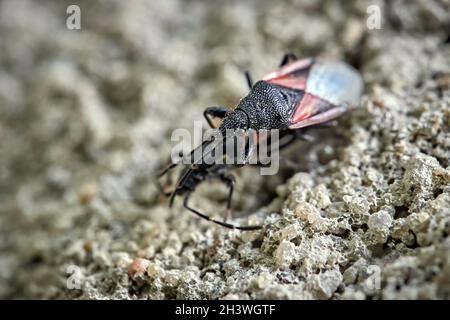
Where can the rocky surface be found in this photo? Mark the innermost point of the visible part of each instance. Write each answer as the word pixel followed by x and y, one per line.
pixel 86 118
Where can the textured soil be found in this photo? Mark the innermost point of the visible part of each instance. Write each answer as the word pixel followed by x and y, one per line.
pixel 85 123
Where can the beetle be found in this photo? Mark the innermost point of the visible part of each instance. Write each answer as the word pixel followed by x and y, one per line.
pixel 300 94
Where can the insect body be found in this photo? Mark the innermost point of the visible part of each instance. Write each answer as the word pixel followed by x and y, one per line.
pixel 298 95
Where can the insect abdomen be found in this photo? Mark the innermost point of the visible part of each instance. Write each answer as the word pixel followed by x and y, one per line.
pixel 335 82
pixel 331 88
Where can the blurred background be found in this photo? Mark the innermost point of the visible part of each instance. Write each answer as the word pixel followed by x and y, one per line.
pixel 85 121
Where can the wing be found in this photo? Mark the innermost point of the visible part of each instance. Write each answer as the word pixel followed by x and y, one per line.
pixel 330 88
pixel 293 75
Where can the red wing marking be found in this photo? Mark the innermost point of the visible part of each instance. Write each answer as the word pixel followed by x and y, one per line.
pixel 313 110
pixel 290 68
pixel 298 82
pixel 293 75
pixel 328 88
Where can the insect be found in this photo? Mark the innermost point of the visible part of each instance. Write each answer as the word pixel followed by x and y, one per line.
pixel 300 94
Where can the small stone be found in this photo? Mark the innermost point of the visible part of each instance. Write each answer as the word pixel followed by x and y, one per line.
pixel 311 214
pixel 351 273
pixel 138 268
pixel 285 254
pixel 121 259
pixel 380 220
pixel 290 232
pixel 321 196
pixel 154 271
pixel 264 279
pixel 87 192
pixel 356 204
pixel 418 221
pixel 373 175
pixel 326 283
pixel 172 277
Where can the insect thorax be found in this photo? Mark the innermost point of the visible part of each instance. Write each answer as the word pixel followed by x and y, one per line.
pixel 270 106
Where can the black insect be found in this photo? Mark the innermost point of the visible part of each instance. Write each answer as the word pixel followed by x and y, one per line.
pixel 299 94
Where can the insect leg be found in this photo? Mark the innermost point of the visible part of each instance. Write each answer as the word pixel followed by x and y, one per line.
pixel 166 169
pixel 160 174
pixel 217 112
pixel 223 224
pixel 170 166
pixel 288 57
pixel 179 185
pixel 299 134
pixel 285 140
pixel 305 137
pixel 249 79
pixel 290 138
pixel 328 124
pixel 230 180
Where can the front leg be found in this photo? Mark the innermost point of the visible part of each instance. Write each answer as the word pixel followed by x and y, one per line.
pixel 216 112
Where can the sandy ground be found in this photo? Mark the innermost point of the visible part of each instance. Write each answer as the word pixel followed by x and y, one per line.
pixel 85 124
